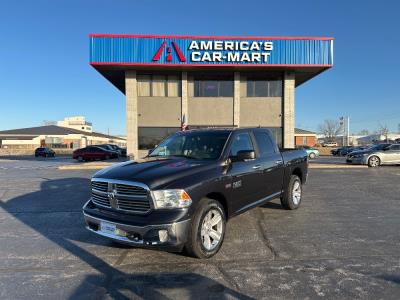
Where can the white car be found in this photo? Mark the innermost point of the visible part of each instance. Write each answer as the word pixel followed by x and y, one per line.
pixel 381 154
pixel 330 144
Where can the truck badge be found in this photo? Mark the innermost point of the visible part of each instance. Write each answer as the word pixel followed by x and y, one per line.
pixel 112 196
pixel 237 184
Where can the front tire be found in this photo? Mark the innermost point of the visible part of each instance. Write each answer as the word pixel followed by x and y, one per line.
pixel 374 161
pixel 292 197
pixel 207 230
pixel 312 155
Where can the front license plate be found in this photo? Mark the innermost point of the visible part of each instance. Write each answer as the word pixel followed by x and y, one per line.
pixel 107 227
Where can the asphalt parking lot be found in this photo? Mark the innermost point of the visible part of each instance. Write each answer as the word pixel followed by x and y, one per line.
pixel 344 242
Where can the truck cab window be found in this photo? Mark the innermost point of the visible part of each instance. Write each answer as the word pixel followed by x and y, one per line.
pixel 242 141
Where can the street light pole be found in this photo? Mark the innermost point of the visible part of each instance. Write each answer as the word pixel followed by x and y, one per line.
pixel 348 131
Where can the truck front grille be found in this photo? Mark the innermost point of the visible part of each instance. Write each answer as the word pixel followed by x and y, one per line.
pixel 126 196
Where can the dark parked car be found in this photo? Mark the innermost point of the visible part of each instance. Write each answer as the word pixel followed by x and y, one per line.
pixel 181 195
pixel 93 153
pixel 45 152
pixel 346 150
pixel 338 151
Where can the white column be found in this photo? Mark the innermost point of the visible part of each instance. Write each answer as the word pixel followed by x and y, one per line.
pixel 185 103
pixel 288 110
pixel 236 99
pixel 131 115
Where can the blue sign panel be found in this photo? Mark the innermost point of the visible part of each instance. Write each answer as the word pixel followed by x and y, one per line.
pixel 210 51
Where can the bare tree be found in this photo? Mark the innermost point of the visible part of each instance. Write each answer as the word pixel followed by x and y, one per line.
pixel 364 132
pixel 330 128
pixel 383 130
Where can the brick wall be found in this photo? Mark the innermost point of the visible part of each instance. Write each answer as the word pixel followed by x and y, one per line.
pixel 305 140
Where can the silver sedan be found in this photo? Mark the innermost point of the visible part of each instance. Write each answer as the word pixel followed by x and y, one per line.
pixel 383 154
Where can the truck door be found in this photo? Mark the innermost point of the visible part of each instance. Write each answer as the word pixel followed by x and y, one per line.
pixel 245 176
pixel 271 163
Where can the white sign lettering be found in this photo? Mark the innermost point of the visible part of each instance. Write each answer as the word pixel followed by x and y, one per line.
pixel 231 51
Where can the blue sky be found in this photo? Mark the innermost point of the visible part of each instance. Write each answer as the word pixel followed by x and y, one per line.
pixel 45 75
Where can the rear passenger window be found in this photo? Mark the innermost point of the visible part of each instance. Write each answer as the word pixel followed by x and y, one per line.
pixel 264 144
pixel 242 141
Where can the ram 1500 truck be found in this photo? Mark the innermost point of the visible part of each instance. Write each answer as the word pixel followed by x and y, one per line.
pixel 181 195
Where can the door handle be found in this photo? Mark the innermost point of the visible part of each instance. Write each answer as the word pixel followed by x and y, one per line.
pixel 278 162
pixel 256 167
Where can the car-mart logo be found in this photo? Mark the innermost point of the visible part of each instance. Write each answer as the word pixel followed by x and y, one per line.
pixel 178 52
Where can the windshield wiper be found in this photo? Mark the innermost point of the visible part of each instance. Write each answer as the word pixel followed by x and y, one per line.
pixel 176 155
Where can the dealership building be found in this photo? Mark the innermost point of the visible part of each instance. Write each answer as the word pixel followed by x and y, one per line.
pixel 176 82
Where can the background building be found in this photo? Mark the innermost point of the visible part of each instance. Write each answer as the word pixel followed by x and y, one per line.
pixel 56 137
pixel 304 137
pixel 174 82
pixel 78 122
pixel 378 138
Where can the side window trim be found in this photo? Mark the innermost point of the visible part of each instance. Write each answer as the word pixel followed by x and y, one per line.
pixel 255 144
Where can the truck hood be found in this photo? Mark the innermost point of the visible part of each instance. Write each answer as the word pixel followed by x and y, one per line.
pixel 155 172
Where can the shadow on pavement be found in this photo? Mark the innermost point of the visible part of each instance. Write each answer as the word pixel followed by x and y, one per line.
pixel 33 158
pixel 68 195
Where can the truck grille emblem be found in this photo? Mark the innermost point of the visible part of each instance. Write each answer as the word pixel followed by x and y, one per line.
pixel 112 195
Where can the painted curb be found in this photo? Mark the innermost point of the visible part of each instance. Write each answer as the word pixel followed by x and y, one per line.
pixel 83 167
pixel 336 166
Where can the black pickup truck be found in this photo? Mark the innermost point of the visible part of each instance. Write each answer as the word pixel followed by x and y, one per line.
pixel 181 195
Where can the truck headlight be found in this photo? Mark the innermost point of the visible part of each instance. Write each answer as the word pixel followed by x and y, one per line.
pixel 171 199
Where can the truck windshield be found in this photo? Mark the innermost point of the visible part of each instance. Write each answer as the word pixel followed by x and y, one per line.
pixel 194 145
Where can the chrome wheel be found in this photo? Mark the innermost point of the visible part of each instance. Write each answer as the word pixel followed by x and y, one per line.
pixel 296 192
pixel 312 155
pixel 211 229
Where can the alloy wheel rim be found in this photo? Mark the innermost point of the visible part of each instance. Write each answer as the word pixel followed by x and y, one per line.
pixel 211 229
pixel 374 161
pixel 296 192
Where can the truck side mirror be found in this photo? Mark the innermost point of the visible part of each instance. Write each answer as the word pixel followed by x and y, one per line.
pixel 243 155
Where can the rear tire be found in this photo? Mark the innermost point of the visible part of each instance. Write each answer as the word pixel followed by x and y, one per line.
pixel 292 198
pixel 80 158
pixel 207 229
pixel 312 155
pixel 374 161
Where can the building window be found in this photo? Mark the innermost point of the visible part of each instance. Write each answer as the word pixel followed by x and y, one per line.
pixel 158 85
pixel 209 87
pixel 149 137
pixel 264 88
